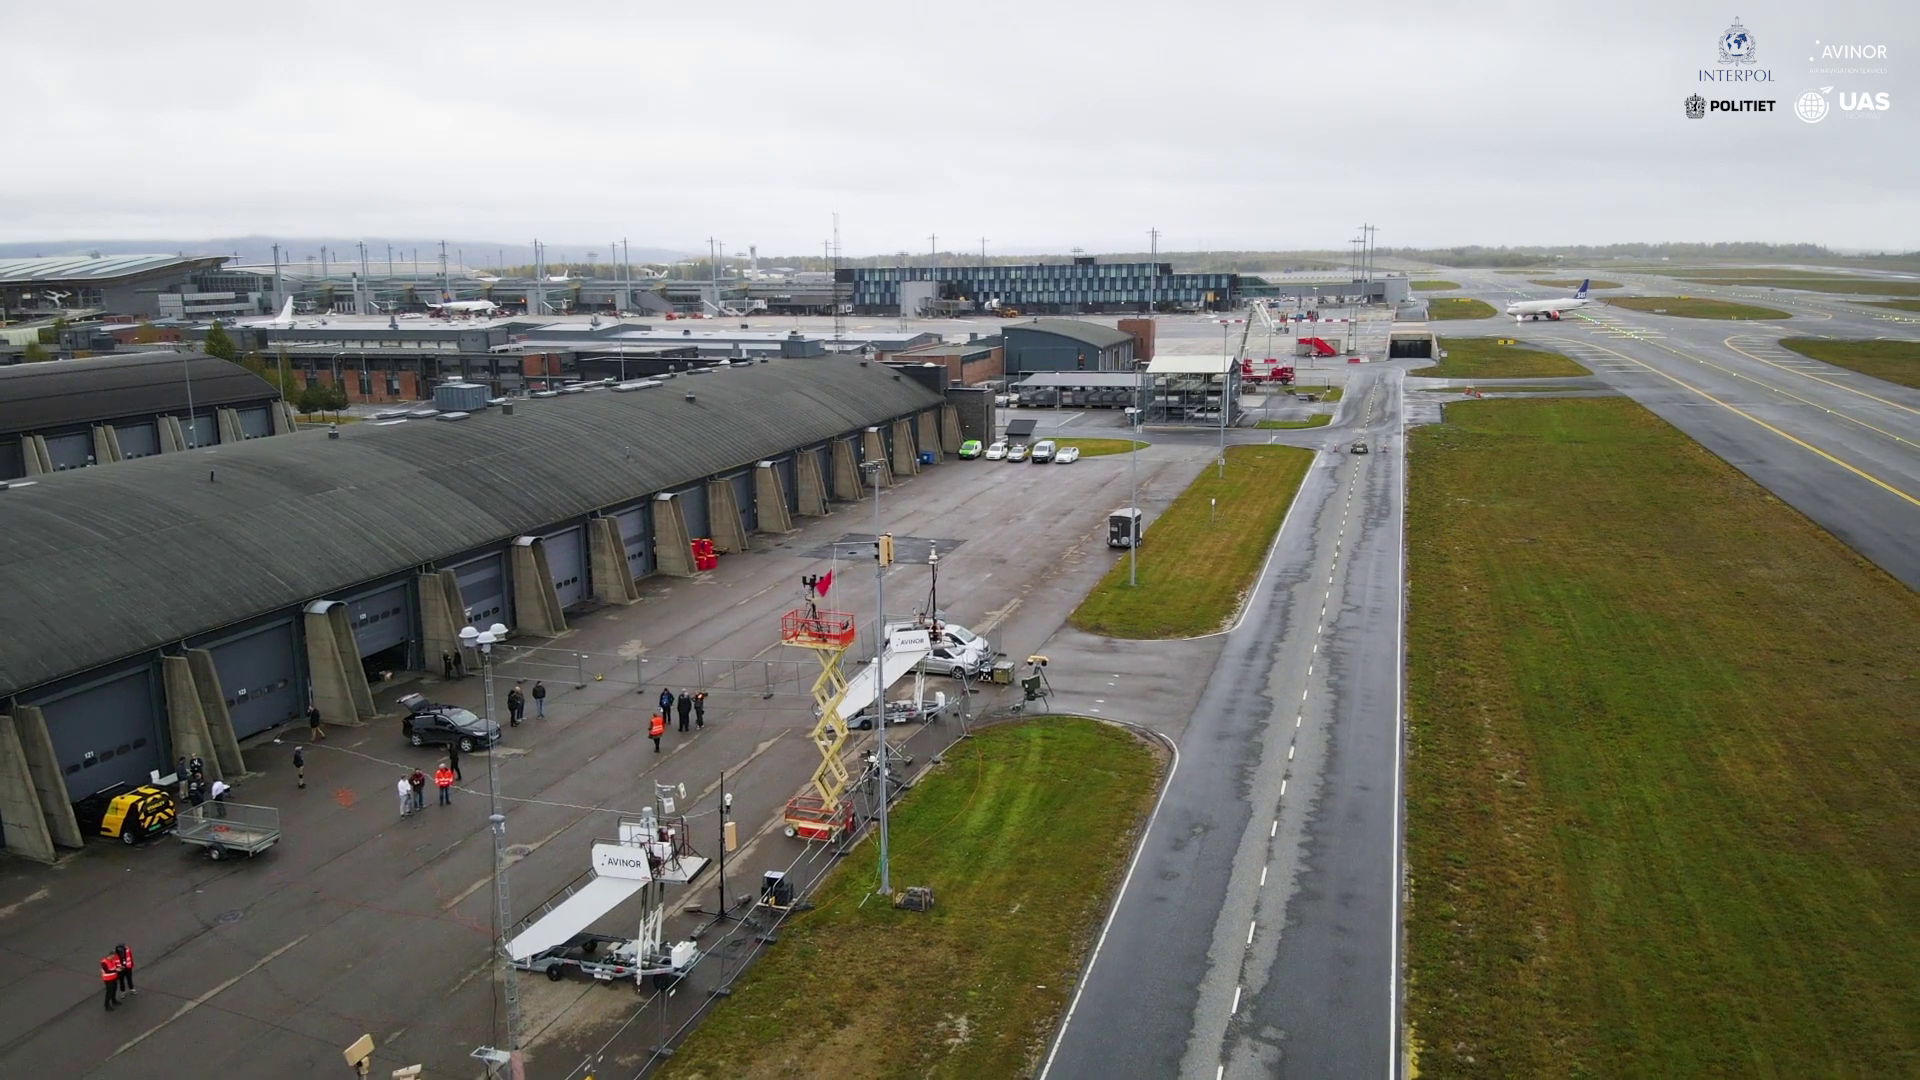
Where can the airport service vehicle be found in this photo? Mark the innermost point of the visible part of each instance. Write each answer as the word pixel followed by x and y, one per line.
pixel 1125 526
pixel 1523 310
pixel 1043 452
pixel 996 452
pixel 970 449
pixel 905 711
pixel 650 852
pixel 227 828
pixel 952 649
pixel 1017 452
pixel 1359 448
pixel 128 814
pixel 1067 455
pixel 432 723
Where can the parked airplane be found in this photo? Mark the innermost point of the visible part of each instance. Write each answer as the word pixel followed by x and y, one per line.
pixel 282 321
pixel 1522 310
pixel 467 307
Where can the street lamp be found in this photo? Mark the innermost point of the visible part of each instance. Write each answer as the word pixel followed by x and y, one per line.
pixel 1133 493
pixel 872 469
pixel 475 638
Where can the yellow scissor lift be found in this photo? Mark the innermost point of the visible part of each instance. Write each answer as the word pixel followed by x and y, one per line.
pixel 822 813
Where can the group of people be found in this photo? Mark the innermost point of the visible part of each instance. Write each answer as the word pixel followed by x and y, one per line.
pixel 116 971
pixel 690 706
pixel 517 703
pixel 412 787
pixel 198 790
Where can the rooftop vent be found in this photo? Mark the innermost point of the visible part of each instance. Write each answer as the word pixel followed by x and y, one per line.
pixel 689 396
pixel 453 416
pixel 424 414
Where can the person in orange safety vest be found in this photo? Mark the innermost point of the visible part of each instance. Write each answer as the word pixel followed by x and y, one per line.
pixel 110 975
pixel 657 728
pixel 443 779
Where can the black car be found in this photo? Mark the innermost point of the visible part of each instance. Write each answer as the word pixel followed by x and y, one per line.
pixel 429 722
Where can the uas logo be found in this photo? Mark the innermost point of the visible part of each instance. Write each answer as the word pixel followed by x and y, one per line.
pixel 1737 46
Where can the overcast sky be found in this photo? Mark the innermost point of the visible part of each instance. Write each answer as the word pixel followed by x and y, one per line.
pixel 1042 125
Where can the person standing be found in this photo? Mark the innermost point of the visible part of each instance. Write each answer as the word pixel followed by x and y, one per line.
pixel 539 700
pixel 300 765
pixel 516 705
pixel 685 705
pixel 453 761
pixel 126 968
pixel 110 975
pixel 418 783
pixel 314 730
pixel 219 793
pixel 443 779
pixel 406 796
pixel 666 703
pixel 700 709
pixel 656 728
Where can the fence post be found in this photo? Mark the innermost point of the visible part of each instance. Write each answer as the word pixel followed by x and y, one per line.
pixel 639 677
pixel 580 660
pixel 769 692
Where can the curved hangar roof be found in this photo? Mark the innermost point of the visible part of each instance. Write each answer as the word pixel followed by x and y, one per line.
pixel 61 393
pixel 103 563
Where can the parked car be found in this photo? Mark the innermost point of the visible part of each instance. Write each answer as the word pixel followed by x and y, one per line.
pixel 1017 452
pixel 970 449
pixel 432 723
pixel 997 451
pixel 1043 451
pixel 1067 455
pixel 957 651
pixel 898 712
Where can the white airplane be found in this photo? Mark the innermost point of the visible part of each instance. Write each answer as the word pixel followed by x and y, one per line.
pixel 1522 310
pixel 282 321
pixel 467 307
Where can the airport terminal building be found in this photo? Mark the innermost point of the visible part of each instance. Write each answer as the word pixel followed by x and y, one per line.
pixel 178 604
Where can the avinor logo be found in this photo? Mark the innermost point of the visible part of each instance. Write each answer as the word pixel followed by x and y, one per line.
pixel 621 861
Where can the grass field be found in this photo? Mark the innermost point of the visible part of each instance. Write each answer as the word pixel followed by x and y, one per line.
pixel 1662 772
pixel 1894 361
pixel 1327 392
pixel 1022 834
pixel 1101 447
pixel 1434 286
pixel 1486 358
pixel 1316 420
pixel 1825 283
pixel 1897 305
pixel 1574 283
pixel 1193 572
pixel 1692 307
pixel 1458 307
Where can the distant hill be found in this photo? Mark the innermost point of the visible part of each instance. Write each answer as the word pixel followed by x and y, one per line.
pixel 259 249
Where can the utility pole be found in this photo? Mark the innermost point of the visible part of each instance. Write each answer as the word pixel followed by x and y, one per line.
pixel 933 249
pixel 839 309
pixel 1153 271
pixel 983 251
pixel 879 680
pixel 277 298
pixel 389 265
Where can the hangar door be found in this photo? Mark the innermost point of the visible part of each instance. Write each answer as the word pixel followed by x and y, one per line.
pixel 256 423
pixel 483 588
pixel 743 498
pixel 380 618
pixel 789 483
pixel 568 564
pixel 107 733
pixel 138 440
pixel 693 507
pixel 70 451
pixel 636 533
pixel 260 678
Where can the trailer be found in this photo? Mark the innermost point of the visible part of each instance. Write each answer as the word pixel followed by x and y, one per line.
pixel 225 828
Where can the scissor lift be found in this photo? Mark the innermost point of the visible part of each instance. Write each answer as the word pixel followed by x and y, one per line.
pixel 821 813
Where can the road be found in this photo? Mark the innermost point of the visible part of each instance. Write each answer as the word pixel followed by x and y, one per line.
pixel 1257 933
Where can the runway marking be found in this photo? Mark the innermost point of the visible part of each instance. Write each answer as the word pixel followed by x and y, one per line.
pixel 206 997
pixel 1289 753
pixel 1283 791
pixel 1263 876
pixel 1803 444
pixel 1235 1009
pixel 1274 829
pixel 1250 927
pixel 1729 343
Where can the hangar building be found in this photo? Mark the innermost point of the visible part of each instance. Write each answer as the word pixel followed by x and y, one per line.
pixel 178 604
pixel 1066 345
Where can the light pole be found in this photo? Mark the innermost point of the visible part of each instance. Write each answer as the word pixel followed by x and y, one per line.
pixel 879 671
pixel 1133 494
pixel 475 638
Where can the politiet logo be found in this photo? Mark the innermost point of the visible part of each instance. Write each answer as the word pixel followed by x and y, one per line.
pixel 1738 55
pixel 1813 105
pixel 1698 107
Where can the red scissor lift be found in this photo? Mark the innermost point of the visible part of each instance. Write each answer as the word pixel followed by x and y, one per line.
pixel 822 813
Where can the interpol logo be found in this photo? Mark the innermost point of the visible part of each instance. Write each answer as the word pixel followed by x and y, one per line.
pixel 1696 107
pixel 1736 45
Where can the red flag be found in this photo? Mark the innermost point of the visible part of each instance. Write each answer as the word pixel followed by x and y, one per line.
pixel 826 582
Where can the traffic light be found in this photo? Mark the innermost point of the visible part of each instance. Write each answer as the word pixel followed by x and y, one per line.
pixel 883 550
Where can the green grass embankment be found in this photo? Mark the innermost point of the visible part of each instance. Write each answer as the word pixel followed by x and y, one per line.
pixel 1692 307
pixel 1458 307
pixel 1662 772
pixel 1487 358
pixel 1894 361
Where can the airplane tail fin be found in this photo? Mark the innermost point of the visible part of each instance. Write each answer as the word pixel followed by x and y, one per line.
pixel 286 311
pixel 1581 294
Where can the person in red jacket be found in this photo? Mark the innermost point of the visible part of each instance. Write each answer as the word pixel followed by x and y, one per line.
pixel 126 968
pixel 657 728
pixel 110 975
pixel 443 779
